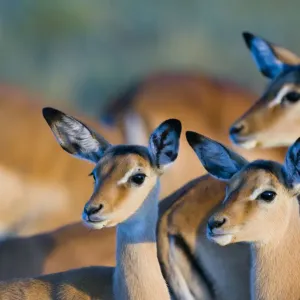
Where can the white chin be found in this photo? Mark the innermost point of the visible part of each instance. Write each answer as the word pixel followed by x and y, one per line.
pixel 222 240
pixel 96 225
pixel 249 145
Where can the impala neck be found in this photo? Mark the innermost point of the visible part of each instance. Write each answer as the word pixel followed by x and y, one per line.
pixel 276 264
pixel 137 274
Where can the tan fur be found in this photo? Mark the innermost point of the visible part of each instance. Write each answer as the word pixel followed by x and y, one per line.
pixel 174 220
pixel 274 228
pixel 34 164
pixel 123 204
pixel 119 198
pixel 57 251
pixel 271 121
pixel 200 102
pixel 91 283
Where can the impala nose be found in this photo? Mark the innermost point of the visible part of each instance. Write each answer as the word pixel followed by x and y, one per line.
pixel 236 129
pixel 91 209
pixel 215 223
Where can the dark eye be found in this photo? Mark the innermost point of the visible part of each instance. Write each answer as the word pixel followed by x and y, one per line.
pixel 267 196
pixel 138 179
pixel 292 97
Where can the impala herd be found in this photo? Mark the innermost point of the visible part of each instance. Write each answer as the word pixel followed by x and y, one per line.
pixel 231 234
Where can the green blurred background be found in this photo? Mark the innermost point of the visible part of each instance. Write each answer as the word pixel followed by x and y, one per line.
pixel 87 51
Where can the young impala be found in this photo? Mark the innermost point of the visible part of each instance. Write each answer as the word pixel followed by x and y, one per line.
pixel 126 195
pixel 261 207
pixel 39 182
pixel 185 96
pixel 275 118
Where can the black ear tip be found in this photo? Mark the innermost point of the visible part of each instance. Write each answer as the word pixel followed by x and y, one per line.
pixel 248 37
pixel 51 114
pixel 175 124
pixel 194 138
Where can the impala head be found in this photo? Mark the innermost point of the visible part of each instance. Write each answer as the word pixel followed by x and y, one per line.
pixel 260 196
pixel 124 175
pixel 275 118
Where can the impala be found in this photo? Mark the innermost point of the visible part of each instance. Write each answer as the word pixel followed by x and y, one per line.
pixel 126 195
pixel 184 213
pixel 261 207
pixel 274 119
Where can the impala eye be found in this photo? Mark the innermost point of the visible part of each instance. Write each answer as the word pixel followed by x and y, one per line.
pixel 267 196
pixel 138 179
pixel 292 97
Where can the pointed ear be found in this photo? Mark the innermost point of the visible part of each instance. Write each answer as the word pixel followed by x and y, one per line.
pixel 75 137
pixel 164 143
pixel 269 58
pixel 292 163
pixel 217 159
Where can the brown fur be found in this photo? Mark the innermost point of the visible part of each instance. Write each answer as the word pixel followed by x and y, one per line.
pixel 172 222
pixel 199 102
pixel 57 251
pixel 109 171
pixel 267 124
pixel 123 203
pixel 274 228
pixel 30 155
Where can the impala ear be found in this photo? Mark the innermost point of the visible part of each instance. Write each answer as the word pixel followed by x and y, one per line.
pixel 164 143
pixel 269 58
pixel 217 159
pixel 75 137
pixel 292 163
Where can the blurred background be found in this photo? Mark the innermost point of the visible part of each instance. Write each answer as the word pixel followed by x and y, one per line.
pixel 89 55
pixel 87 51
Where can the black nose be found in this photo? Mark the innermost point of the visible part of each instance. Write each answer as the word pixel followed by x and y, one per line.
pixel 236 129
pixel 213 223
pixel 92 209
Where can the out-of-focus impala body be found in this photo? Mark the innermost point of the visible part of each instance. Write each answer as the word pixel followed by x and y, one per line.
pixel 198 101
pixel 38 182
pixel 39 185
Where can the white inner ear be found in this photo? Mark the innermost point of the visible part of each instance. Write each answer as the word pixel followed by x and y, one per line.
pixel 79 134
pixel 277 100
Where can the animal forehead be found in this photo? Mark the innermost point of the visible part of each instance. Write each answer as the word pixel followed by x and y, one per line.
pixel 258 173
pixel 290 76
pixel 124 158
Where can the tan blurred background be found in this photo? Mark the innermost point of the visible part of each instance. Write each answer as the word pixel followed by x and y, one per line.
pixel 86 51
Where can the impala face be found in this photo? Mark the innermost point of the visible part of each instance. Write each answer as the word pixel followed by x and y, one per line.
pixel 260 196
pixel 123 178
pixel 124 175
pixel 275 118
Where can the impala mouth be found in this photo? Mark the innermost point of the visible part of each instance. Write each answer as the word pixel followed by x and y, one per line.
pixel 222 239
pixel 96 224
pixel 244 142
